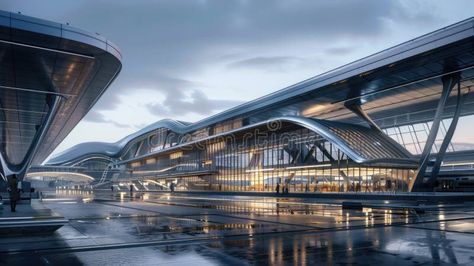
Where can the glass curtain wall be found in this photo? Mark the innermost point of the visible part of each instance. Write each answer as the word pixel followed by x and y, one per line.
pixel 298 160
pixel 413 136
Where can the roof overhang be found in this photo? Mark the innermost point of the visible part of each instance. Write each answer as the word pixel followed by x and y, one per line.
pixel 63 176
pixel 52 76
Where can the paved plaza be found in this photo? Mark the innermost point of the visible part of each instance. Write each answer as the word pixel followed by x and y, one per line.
pixel 165 229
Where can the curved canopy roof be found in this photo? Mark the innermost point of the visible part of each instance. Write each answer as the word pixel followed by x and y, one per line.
pixel 52 74
pixel 360 143
pixel 64 176
pixel 113 150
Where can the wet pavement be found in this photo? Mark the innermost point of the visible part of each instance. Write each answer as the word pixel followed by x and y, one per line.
pixel 164 229
pixel 29 218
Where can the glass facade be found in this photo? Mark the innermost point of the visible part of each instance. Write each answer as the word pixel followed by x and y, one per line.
pixel 291 158
pixel 357 179
pixel 413 136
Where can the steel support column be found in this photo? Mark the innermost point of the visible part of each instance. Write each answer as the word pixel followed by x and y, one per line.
pixel 418 184
pixel 21 169
pixel 448 137
pixel 356 109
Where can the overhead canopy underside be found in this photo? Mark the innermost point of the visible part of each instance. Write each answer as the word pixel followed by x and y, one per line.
pixel 50 76
pixel 408 74
pixel 63 176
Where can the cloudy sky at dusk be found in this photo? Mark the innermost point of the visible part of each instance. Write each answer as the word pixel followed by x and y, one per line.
pixel 189 59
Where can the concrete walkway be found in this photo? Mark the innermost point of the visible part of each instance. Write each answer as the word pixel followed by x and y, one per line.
pixel 433 197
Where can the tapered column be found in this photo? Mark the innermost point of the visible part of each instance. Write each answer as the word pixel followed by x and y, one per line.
pixel 21 169
pixel 418 183
pixel 447 137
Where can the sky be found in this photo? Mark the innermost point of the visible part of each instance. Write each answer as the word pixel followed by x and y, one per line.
pixel 187 60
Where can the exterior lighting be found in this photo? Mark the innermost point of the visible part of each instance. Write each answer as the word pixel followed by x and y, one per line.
pixel 150 161
pixel 260 170
pixel 308 166
pixel 153 181
pixel 457 164
pixel 314 109
pixel 176 155
pixel 61 175
pixel 135 164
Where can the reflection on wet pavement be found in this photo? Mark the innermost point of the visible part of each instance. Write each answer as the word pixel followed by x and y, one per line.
pixel 151 229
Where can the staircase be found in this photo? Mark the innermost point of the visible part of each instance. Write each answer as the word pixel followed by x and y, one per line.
pixel 102 179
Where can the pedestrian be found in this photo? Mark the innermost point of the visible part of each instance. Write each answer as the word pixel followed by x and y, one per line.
pixel 14 192
pixel 172 187
pixel 277 189
pixel 112 188
pixel 388 185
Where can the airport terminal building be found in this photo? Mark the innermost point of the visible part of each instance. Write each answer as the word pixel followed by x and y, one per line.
pixel 398 120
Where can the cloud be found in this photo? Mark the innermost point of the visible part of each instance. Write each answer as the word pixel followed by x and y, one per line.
pixel 154 83
pixel 174 38
pixel 168 45
pixel 95 116
pixel 272 63
pixel 182 102
pixel 340 51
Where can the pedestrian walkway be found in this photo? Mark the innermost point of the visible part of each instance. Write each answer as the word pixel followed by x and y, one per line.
pixel 433 197
pixel 29 219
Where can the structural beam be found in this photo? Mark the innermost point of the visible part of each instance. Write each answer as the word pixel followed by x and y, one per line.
pixel 310 154
pixel 448 137
pixel 65 95
pixel 357 109
pixel 324 151
pixel 20 170
pixel 418 182
pixel 47 49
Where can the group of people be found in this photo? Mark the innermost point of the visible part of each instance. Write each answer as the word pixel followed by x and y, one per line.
pixel 389 186
pixel 172 188
pixel 284 189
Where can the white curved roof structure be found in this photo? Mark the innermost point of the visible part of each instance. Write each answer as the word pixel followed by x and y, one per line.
pixel 360 143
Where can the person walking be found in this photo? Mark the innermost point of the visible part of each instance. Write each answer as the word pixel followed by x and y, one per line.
pixel 278 188
pixel 14 192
